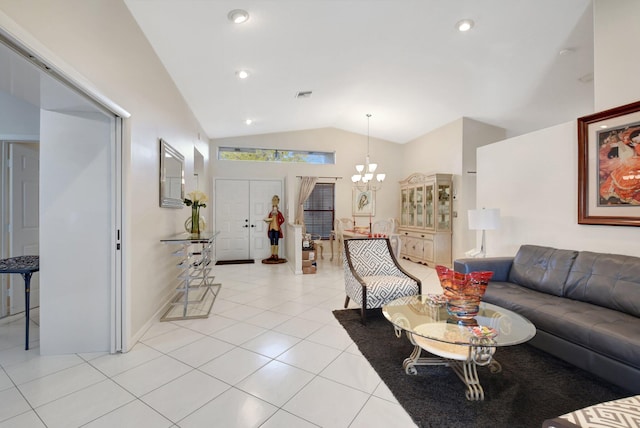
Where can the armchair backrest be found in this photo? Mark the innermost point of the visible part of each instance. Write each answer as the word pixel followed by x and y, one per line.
pixel 370 257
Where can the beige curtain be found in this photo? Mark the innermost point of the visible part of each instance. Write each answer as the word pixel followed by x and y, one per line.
pixel 306 187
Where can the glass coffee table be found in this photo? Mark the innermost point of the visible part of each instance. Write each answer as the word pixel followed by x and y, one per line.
pixel 461 345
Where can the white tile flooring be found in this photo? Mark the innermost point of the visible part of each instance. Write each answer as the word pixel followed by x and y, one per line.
pixel 270 355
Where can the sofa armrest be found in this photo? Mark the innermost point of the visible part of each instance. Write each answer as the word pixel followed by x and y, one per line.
pixel 500 266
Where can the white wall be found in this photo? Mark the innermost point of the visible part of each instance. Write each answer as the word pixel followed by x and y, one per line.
pixel 100 41
pixel 19 120
pixel 448 149
pixel 617 37
pixel 350 150
pixel 451 149
pixel 533 178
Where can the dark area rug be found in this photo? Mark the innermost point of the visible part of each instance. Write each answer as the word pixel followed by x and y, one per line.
pixel 235 262
pixel 532 386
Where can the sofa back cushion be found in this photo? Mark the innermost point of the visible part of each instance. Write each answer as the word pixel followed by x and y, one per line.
pixel 542 268
pixel 608 280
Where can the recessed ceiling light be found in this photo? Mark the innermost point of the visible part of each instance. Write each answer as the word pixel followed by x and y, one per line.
pixel 242 74
pixel 248 121
pixel 238 16
pixel 464 25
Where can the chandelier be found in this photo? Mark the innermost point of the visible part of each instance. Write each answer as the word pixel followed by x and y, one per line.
pixel 363 180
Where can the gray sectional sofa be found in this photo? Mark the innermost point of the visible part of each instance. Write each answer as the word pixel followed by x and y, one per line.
pixel 585 305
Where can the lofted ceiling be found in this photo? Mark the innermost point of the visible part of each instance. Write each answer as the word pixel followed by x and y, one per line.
pixel 525 65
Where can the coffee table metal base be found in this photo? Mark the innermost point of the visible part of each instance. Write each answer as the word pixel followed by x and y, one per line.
pixel 463 360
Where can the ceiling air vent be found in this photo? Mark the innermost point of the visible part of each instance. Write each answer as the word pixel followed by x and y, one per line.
pixel 304 94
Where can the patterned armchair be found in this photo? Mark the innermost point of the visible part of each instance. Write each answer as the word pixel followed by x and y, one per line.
pixel 373 276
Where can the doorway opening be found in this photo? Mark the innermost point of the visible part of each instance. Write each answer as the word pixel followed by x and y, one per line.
pixel 61 199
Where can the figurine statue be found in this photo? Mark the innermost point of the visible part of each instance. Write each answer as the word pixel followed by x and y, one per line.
pixel 275 220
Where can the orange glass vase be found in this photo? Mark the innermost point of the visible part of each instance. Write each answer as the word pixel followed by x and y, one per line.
pixel 463 292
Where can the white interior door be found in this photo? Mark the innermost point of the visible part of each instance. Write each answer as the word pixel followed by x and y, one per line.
pixel 23 218
pixel 78 231
pixel 241 206
pixel 232 219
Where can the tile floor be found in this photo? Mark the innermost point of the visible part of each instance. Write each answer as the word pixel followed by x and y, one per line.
pixel 270 355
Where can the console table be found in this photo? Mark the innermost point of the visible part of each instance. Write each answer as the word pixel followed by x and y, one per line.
pixel 25 266
pixel 195 290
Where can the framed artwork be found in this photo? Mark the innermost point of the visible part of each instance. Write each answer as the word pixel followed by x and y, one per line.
pixel 609 167
pixel 364 203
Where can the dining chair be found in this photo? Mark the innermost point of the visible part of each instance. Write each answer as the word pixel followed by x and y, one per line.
pixel 383 227
pixel 340 225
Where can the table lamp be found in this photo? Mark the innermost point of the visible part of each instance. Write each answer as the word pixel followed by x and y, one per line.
pixel 484 219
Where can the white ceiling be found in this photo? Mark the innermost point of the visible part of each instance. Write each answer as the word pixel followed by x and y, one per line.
pixel 400 60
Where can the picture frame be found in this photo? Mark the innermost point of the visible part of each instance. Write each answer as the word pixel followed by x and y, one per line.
pixel 171 176
pixel 364 203
pixel 609 167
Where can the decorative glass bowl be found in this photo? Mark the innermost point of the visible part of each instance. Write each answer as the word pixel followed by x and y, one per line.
pixel 463 292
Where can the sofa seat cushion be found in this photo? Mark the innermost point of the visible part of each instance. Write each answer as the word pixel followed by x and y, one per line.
pixel 602 330
pixel 382 289
pixel 608 280
pixel 542 268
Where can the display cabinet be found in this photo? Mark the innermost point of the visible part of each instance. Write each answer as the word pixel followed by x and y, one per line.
pixel 426 218
pixel 195 287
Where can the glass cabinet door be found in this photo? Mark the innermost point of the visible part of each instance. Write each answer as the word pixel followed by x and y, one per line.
pixel 444 207
pixel 412 207
pixel 429 206
pixel 420 206
pixel 404 208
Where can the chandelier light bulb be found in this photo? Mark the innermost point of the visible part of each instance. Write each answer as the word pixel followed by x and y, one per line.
pixel 372 167
pixel 356 177
pixel 359 168
pixel 381 177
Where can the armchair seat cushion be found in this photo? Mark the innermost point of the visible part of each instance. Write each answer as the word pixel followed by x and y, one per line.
pixel 382 289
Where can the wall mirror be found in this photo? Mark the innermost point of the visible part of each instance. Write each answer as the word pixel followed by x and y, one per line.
pixel 171 176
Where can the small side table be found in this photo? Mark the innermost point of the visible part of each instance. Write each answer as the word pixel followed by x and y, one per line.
pixel 25 266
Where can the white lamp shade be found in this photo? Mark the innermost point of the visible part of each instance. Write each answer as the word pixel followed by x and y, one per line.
pixel 484 219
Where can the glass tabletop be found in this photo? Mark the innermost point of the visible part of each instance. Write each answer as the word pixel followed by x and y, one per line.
pixel 195 238
pixel 426 316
